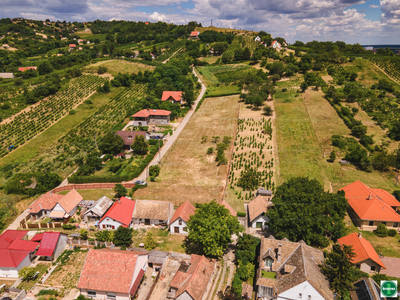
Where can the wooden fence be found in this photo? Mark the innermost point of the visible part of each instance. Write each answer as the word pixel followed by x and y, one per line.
pixel 87 243
pixel 91 186
pixel 24 225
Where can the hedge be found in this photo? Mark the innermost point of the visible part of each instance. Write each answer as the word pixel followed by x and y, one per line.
pixel 241 214
pixel 200 102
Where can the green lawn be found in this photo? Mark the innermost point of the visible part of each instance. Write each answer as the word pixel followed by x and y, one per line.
pixel 222 90
pixel 94 194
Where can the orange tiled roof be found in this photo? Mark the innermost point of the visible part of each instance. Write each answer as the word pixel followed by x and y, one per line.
pixel 385 196
pixel 46 201
pixel 177 96
pixel 70 200
pixel 194 33
pixel 362 248
pixel 144 113
pixel 367 205
pixel 184 212
pixel 228 207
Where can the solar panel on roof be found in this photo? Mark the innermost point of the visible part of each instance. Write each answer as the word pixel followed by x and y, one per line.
pixel 362 291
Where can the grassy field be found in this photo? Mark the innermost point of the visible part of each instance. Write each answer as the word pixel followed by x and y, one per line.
pixel 94 194
pixel 303 129
pixel 119 66
pixel 221 90
pixel 187 172
pixel 166 241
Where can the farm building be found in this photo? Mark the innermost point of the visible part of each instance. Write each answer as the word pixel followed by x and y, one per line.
pixel 43 206
pixel 264 193
pixel 366 259
pixel 24 69
pixel 112 274
pixel 152 212
pixel 72 46
pixel 193 281
pixel 194 35
pixel 129 137
pixel 6 75
pixel 52 245
pixel 180 217
pixel 120 214
pixel 157 258
pixel 290 270
pixel 98 210
pixel 16 252
pixel 151 117
pixel 257 209
pixel 67 206
pixel 370 207
pixel 276 45
pixel 173 97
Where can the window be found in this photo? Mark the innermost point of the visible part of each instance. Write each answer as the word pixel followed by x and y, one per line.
pixel 162 221
pixel 111 295
pixel 357 266
pixel 373 268
pixel 268 263
pixel 112 227
pixel 265 291
pixel 104 226
pixel 91 293
pixel 395 224
pixel 371 223
pixel 300 295
pixel 180 221
pixel 309 297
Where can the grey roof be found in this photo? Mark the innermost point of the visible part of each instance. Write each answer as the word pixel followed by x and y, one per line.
pixel 263 192
pixel 6 75
pixel 75 235
pixel 100 207
pixel 157 257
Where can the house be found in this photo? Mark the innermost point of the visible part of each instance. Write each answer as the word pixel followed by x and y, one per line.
pixel 24 69
pixel 257 209
pixel 52 245
pixel 120 214
pixel 194 35
pixel 370 207
pixel 6 75
pixel 98 210
pixel 366 259
pixel 72 46
pixel 43 206
pixel 151 117
pixel 67 206
pixel 276 45
pixel 152 212
pixel 16 252
pixel 129 137
pixel 265 193
pixel 112 274
pixel 257 39
pixel 59 54
pixel 157 258
pixel 290 270
pixel 173 97
pixel 193 281
pixel 180 218
pixel 366 289
pixel 5 46
pixel 228 207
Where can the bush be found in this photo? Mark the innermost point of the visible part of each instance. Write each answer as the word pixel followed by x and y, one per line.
pixel 241 214
pixel 72 220
pixel 392 232
pixel 154 171
pixel 381 231
pixel 68 227
pixel 210 150
pixel 47 292
pixel 72 112
pixel 150 243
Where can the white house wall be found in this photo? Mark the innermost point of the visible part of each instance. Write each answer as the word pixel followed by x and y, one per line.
pixel 141 263
pixel 58 207
pixel 137 221
pixel 305 289
pixel 73 211
pixel 263 219
pixel 13 272
pixel 102 295
pixel 184 296
pixel 110 222
pixel 60 247
pixel 176 224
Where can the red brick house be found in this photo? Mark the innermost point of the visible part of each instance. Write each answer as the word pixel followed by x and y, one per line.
pixel 147 117
pixel 173 97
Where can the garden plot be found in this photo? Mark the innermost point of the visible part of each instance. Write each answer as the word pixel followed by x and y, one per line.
pixel 69 269
pixel 116 66
pixel 28 124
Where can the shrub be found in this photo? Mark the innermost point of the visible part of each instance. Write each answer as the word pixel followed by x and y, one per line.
pixel 150 243
pixel 154 171
pixel 68 227
pixel 210 150
pixel 84 233
pixel 72 112
pixel 72 220
pixel 392 232
pixel 241 214
pixel 381 230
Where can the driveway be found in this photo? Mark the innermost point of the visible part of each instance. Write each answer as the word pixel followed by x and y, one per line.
pixel 392 266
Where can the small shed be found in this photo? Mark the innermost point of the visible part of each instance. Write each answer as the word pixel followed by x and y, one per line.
pixel 157 258
pixel 98 210
pixel 264 193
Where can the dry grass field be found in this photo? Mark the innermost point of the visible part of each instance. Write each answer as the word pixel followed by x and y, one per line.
pixel 187 172
pixel 116 66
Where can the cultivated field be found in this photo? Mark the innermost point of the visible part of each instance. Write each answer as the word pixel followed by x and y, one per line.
pixel 119 66
pixel 187 172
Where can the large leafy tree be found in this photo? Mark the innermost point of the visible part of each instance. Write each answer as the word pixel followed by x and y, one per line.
pixel 302 210
pixel 123 236
pixel 339 269
pixel 112 143
pixel 211 228
pixel 139 145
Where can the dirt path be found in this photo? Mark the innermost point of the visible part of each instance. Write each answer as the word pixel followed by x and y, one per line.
pixel 165 61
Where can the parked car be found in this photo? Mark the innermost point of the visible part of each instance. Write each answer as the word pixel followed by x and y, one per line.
pixel 140 182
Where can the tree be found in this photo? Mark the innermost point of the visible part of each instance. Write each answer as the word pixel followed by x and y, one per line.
pixel 105 88
pixel 268 110
pixel 154 171
pixel 83 233
pixel 123 236
pixel 211 228
pixel 112 143
pixel 120 190
pixel 339 268
pixel 27 273
pixel 45 68
pixel 303 86
pixel 332 156
pixel 150 243
pixel 249 179
pixel 359 130
pixel 381 230
pixel 302 210
pixel 246 54
pixel 139 145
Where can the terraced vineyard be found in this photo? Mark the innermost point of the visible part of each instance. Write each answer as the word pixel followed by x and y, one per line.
pixel 247 41
pixel 391 65
pixel 33 122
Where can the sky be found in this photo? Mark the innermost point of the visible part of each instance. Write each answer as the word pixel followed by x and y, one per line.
pixel 368 22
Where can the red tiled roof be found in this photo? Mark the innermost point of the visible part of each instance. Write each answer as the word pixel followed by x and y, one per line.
pixel 367 205
pixel 48 244
pixel 72 45
pixel 46 201
pixel 144 113
pixel 23 245
pixel 196 279
pixel 70 200
pixel 228 207
pixel 362 248
pixel 184 212
pixel 8 236
pixel 109 270
pixel 385 196
pixel 194 33
pixel 129 136
pixel 121 212
pixel 23 69
pixel 12 258
pixel 177 96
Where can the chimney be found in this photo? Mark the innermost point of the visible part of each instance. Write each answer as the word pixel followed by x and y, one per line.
pixel 119 200
pixel 370 197
pixel 279 252
pixel 360 235
pixel 204 271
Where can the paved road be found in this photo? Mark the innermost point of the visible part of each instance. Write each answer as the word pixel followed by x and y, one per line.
pixel 15 225
pixel 173 138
